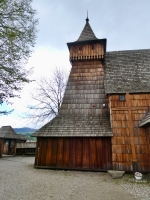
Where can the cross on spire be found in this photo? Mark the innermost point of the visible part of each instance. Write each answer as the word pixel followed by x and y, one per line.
pixel 87 33
pixel 87 19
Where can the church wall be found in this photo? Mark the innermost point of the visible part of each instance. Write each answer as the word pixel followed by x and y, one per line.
pixel 80 153
pixel 130 143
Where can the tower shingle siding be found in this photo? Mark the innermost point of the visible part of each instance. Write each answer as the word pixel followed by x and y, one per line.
pixel 82 112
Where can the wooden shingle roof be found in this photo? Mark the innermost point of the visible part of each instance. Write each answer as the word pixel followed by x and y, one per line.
pixel 23 137
pixel 87 33
pixel 76 125
pixel 127 71
pixel 8 132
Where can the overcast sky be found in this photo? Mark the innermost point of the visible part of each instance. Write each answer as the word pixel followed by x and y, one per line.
pixel 124 23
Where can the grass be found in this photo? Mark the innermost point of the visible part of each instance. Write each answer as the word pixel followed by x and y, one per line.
pixel 117 181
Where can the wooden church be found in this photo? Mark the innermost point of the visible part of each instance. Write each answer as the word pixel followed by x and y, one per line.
pixel 104 120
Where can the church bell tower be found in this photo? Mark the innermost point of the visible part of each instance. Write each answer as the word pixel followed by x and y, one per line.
pixel 85 95
pixel 87 47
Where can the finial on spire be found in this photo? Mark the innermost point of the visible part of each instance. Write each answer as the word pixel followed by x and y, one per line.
pixel 87 19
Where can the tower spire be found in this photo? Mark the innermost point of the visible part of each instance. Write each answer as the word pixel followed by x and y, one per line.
pixel 87 33
pixel 87 19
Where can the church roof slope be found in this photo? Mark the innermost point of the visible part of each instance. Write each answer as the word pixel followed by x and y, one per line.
pixel 127 71
pixel 77 126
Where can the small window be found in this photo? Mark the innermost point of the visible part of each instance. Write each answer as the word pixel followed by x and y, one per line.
pixel 7 142
pixel 92 47
pixel 122 97
pixel 80 48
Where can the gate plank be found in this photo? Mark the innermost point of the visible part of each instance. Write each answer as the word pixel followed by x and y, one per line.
pixel 86 152
pixel 99 152
pixel 54 152
pixel 60 152
pixel 66 152
pixel 78 155
pixel 93 163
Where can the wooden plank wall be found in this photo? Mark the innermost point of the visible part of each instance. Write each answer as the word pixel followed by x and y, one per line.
pixel 74 153
pixel 3 149
pixel 87 51
pixel 8 149
pixel 129 143
pixel 148 141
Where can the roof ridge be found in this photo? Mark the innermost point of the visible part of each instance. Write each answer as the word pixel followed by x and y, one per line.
pixel 126 51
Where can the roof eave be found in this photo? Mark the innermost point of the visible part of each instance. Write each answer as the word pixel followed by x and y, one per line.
pixel 104 41
pixel 144 123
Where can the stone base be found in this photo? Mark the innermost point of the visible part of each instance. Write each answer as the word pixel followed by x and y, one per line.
pixel 116 174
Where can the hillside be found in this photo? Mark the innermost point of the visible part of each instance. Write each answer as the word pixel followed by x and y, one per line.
pixel 24 130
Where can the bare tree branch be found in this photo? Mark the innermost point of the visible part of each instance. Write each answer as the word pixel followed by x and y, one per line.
pixel 47 97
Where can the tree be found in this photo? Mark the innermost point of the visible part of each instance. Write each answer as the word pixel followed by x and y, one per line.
pixel 17 37
pixel 47 97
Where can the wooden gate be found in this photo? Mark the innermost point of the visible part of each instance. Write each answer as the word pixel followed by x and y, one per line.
pixel 83 153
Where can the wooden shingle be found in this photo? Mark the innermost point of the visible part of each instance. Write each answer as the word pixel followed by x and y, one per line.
pixel 87 33
pixel 8 132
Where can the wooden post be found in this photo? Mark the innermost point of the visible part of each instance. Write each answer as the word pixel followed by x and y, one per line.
pixel 131 131
pixel 15 147
pixel 1 148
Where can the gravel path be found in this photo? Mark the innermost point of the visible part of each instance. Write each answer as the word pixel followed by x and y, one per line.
pixel 139 190
pixel 20 181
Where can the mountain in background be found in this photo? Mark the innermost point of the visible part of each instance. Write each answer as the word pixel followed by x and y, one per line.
pixel 24 130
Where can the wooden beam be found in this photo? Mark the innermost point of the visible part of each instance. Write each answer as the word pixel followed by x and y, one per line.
pixel 131 108
pixel 131 128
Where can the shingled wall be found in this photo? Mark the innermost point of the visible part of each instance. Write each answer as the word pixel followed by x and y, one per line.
pixel 130 142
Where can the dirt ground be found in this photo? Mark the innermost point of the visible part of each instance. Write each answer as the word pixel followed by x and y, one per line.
pixel 20 181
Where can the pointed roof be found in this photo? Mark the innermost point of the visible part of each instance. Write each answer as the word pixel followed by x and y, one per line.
pixel 8 133
pixel 87 33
